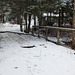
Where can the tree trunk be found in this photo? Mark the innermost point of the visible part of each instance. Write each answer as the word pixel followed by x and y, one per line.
pixel 59 19
pixel 47 17
pixel 17 19
pixel 40 20
pixel 73 34
pixel 62 15
pixel 2 18
pixel 20 22
pixel 20 19
pixel 25 17
pixel 29 23
pixel 50 16
pixel 35 22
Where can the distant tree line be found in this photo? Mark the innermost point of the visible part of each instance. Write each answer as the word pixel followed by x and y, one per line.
pixel 27 8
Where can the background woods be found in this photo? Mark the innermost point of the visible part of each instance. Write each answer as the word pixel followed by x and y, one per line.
pixel 57 11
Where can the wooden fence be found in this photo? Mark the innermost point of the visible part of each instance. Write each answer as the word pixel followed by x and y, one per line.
pixel 55 28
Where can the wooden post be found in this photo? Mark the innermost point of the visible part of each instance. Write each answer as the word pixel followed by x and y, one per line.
pixel 58 36
pixel 46 34
pixel 32 30
pixel 38 32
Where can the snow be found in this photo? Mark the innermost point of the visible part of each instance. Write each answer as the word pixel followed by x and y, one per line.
pixel 45 58
pixel 9 27
pixel 45 14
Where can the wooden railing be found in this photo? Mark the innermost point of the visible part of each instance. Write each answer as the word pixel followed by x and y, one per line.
pixel 49 27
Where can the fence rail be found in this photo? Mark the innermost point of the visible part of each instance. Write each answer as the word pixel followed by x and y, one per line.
pixel 49 27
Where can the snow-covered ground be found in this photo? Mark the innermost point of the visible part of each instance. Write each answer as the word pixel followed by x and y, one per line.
pixel 45 58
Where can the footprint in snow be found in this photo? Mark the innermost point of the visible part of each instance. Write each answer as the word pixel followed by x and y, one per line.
pixel 16 67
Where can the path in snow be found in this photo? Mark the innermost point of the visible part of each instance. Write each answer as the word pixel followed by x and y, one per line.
pixel 44 59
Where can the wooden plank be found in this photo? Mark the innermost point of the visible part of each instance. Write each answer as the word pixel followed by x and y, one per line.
pixel 57 28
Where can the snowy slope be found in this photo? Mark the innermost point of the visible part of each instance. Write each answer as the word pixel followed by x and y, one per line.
pixel 45 58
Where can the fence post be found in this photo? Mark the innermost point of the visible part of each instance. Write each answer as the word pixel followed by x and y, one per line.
pixel 38 32
pixel 32 30
pixel 58 36
pixel 46 34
